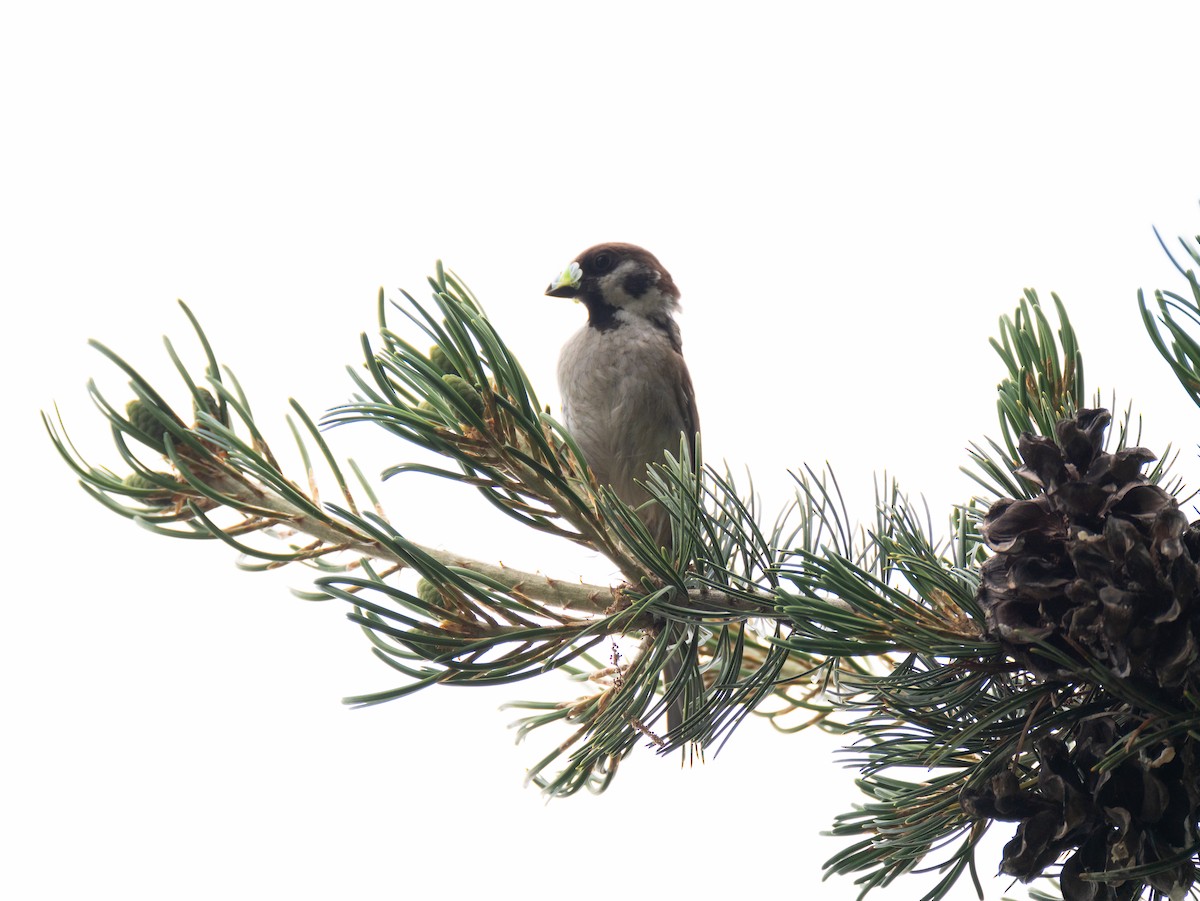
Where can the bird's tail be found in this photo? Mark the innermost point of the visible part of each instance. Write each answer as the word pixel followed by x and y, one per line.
pixel 684 700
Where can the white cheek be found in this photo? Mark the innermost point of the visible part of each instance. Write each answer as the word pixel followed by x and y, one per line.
pixel 653 301
pixel 613 287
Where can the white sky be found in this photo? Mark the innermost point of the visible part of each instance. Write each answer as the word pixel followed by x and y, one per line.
pixel 848 199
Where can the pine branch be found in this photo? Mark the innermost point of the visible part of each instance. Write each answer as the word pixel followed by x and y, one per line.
pixel 712 602
pixel 1175 331
pixel 1015 692
pixel 1039 665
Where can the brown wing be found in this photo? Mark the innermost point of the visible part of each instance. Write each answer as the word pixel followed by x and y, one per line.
pixel 685 399
pixel 687 406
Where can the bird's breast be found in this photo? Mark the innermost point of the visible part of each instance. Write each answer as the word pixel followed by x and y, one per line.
pixel 620 401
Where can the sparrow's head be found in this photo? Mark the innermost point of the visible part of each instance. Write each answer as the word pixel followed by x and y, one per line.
pixel 608 278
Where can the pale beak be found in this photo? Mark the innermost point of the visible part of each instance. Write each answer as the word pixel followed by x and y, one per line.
pixel 567 282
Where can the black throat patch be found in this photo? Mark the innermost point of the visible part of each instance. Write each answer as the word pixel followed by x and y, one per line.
pixel 602 315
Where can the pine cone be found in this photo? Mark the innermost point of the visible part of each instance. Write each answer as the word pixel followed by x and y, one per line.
pixel 1137 813
pixel 1102 560
pixel 1100 568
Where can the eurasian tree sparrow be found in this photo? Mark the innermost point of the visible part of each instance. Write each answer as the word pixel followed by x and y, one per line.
pixel 627 395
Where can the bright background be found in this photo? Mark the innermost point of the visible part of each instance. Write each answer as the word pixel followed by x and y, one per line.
pixel 849 197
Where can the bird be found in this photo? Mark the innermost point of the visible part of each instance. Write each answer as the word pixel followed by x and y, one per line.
pixel 627 395
pixel 626 391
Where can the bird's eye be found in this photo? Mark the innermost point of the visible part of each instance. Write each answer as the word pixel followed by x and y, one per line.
pixel 602 262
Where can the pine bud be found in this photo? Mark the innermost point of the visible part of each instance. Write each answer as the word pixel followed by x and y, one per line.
pixel 466 391
pixel 438 358
pixel 143 420
pixel 158 496
pixel 204 402
pixel 428 592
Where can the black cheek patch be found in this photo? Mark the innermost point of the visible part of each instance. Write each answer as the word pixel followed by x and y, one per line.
pixel 636 284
